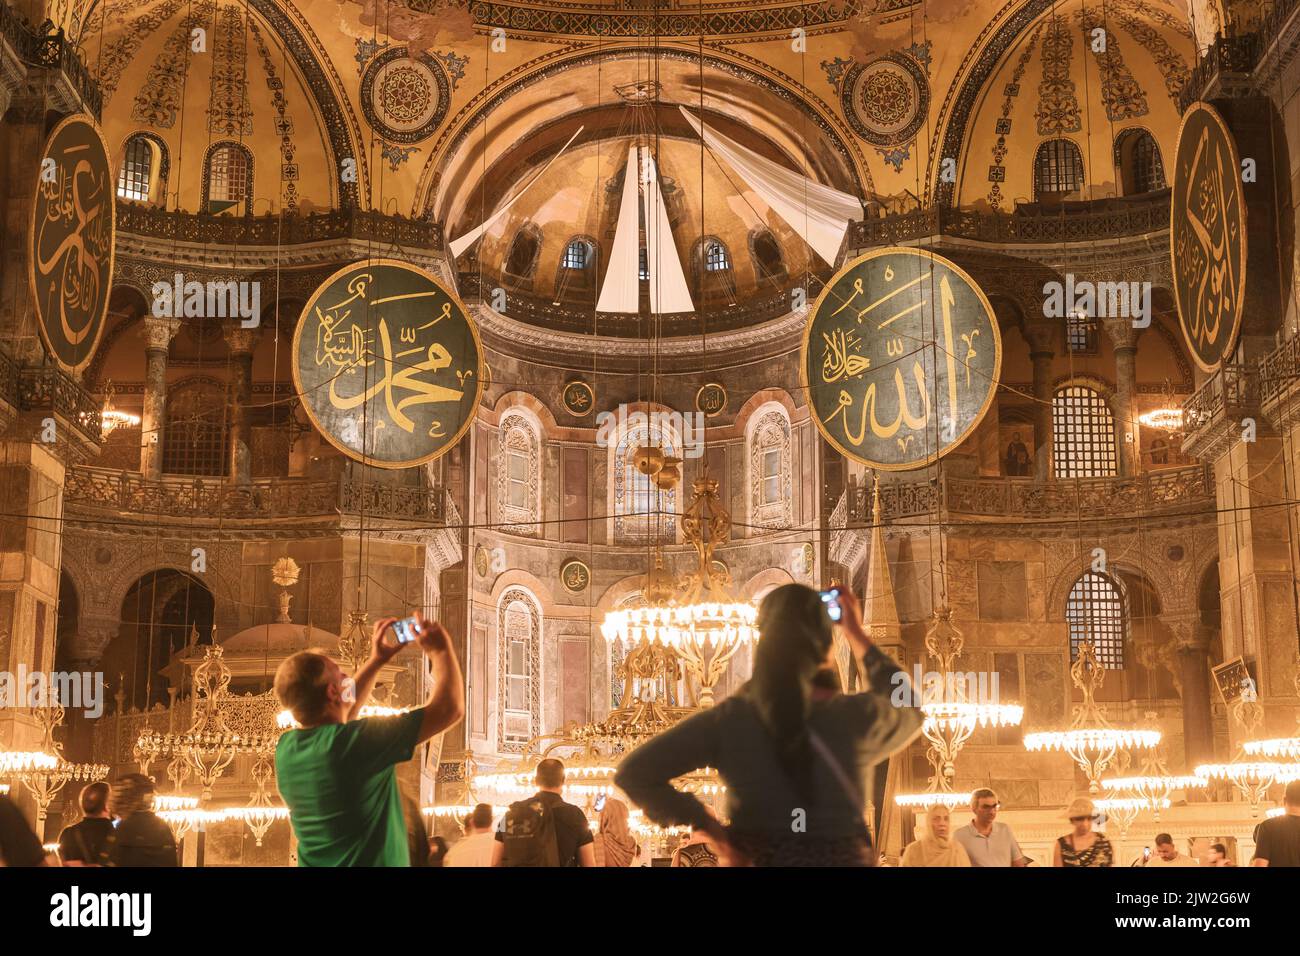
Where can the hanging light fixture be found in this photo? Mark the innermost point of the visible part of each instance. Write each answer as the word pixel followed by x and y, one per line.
pixel 704 627
pixel 45 772
pixel 1090 740
pixel 950 716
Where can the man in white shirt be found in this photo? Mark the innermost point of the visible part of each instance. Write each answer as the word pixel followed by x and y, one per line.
pixel 475 847
pixel 987 842
pixel 1167 854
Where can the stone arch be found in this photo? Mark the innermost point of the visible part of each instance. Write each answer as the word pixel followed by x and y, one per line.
pixel 445 160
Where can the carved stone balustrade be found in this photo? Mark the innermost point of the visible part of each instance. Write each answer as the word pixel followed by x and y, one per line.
pixel 91 492
pixel 1220 412
pixel 1173 491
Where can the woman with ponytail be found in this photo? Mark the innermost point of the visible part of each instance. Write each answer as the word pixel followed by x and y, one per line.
pixel 795 754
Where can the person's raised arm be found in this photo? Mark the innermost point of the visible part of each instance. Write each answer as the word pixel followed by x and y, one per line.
pixel 446 703
pixel 381 652
pixel 898 718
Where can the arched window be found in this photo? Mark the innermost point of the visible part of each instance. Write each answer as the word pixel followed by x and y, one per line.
pixel 767 255
pixel 716 258
pixel 1083 434
pixel 519 476
pixel 519 646
pixel 194 437
pixel 768 436
pixel 144 168
pixel 1138 157
pixel 1058 169
pixel 642 510
pixel 576 254
pixel 577 274
pixel 1096 614
pixel 228 178
pixel 524 251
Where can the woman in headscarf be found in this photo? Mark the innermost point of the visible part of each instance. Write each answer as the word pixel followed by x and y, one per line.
pixel 796 760
pixel 615 845
pixel 936 848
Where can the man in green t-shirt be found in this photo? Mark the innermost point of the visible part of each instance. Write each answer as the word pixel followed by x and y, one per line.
pixel 337 774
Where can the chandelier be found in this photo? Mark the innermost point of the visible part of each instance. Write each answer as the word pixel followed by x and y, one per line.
pixel 951 716
pixel 46 772
pixel 1090 740
pixel 209 746
pixel 702 626
pixel 1253 778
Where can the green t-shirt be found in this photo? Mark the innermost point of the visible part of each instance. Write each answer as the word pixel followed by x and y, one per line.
pixel 339 782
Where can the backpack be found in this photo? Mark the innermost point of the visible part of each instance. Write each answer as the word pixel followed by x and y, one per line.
pixel 528 832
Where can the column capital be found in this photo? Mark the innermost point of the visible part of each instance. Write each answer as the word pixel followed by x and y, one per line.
pixel 159 331
pixel 240 340
pixel 1042 338
pixel 1121 332
pixel 1189 632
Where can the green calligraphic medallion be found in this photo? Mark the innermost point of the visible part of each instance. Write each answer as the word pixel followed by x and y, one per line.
pixel 900 357
pixel 71 241
pixel 1207 236
pixel 387 364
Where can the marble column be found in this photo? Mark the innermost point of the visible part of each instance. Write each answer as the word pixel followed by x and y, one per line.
pixel 1123 337
pixel 239 398
pixel 158 333
pixel 1192 639
pixel 1041 340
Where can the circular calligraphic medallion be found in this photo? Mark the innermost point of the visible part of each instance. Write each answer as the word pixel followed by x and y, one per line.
pixel 71 241
pixel 900 357
pixel 387 363
pixel 1207 236
pixel 579 398
pixel 711 399
pixel 575 576
pixel 405 96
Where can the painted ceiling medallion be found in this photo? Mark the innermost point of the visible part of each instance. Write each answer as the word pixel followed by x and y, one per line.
pixel 886 100
pixel 405 97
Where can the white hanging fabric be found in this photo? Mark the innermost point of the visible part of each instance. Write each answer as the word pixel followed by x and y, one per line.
pixel 820 214
pixel 458 246
pixel 668 291
pixel 621 290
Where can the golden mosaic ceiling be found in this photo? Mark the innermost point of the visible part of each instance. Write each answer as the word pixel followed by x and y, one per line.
pixel 441 104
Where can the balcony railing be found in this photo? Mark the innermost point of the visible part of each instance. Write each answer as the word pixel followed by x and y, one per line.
pixel 264 498
pixel 1279 371
pixel 8 380
pixel 275 230
pixel 1076 223
pixel 51 49
pixel 50 389
pixel 1058 499
pixel 1232 389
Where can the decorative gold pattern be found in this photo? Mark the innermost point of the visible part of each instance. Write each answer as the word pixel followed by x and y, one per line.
pixel 1207 236
pixel 71 241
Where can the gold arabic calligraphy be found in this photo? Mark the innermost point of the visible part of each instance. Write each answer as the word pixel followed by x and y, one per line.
pixel 351 348
pixel 73 241
pixel 1207 250
pixel 897 319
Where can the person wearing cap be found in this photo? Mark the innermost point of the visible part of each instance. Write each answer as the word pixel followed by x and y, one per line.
pixel 986 841
pixel 1082 846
